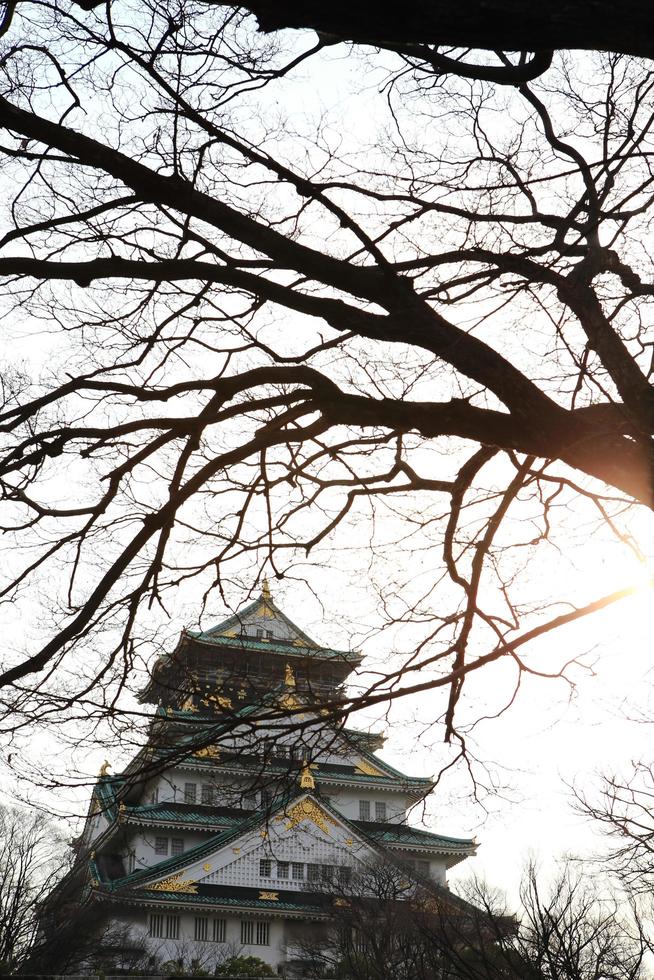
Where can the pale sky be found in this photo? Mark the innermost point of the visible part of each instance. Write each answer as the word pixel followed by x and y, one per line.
pixel 551 735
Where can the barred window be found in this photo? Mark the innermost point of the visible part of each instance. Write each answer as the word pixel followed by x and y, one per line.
pixel 313 872
pixel 172 927
pixel 326 872
pixel 131 862
pixel 247 933
pixel 380 812
pixel 282 869
pixel 265 868
pixel 206 791
pixel 364 809
pixel 201 928
pixel 176 846
pixel 262 934
pixel 157 926
pixel 423 867
pixel 259 634
pixel 190 792
pixel 161 845
pixel 298 871
pixel 219 930
pixel 345 875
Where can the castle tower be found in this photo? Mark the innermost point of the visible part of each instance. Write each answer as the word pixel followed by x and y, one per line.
pixel 223 835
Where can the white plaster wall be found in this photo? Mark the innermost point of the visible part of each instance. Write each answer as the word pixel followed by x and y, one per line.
pixel 208 953
pixel 347 803
pixel 142 844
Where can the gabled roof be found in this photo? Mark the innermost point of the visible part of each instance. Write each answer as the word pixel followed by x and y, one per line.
pixel 404 836
pixel 264 614
pixel 177 864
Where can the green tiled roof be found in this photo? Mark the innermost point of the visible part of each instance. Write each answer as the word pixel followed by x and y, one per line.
pixel 325 771
pixel 269 646
pixel 179 862
pixel 205 817
pixel 220 901
pixel 412 836
pixel 264 602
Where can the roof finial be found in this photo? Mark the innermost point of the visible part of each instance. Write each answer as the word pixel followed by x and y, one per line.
pixel 265 589
pixel 104 768
pixel 306 779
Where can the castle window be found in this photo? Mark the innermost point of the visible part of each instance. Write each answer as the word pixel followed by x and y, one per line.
pixel 157 926
pixel 262 934
pixel 190 792
pixel 219 930
pixel 298 871
pixel 259 634
pixel 380 812
pixel 161 845
pixel 345 875
pixel 131 862
pixel 269 634
pixel 313 872
pixel 206 793
pixel 423 867
pixel 176 846
pixel 364 809
pixel 282 869
pixel 247 933
pixel 265 868
pixel 172 927
pixel 201 928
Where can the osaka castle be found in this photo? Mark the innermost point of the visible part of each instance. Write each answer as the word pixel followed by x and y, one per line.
pixel 248 805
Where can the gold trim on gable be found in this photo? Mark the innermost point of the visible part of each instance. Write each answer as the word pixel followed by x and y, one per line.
pixel 367 769
pixel 269 896
pixel 175 883
pixel 308 810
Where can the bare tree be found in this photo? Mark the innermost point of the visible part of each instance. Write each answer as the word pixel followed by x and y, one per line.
pixel 624 809
pixel 32 857
pixel 268 341
pixel 570 929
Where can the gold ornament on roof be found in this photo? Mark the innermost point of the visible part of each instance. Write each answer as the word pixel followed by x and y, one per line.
pixel 367 769
pixel 104 768
pixel 175 883
pixel 289 676
pixel 265 590
pixel 217 699
pixel 289 702
pixel 308 810
pixel 306 778
pixel 269 896
pixel 206 867
pixel 208 752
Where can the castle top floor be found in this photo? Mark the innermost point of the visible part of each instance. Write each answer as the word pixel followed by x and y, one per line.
pixel 245 656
